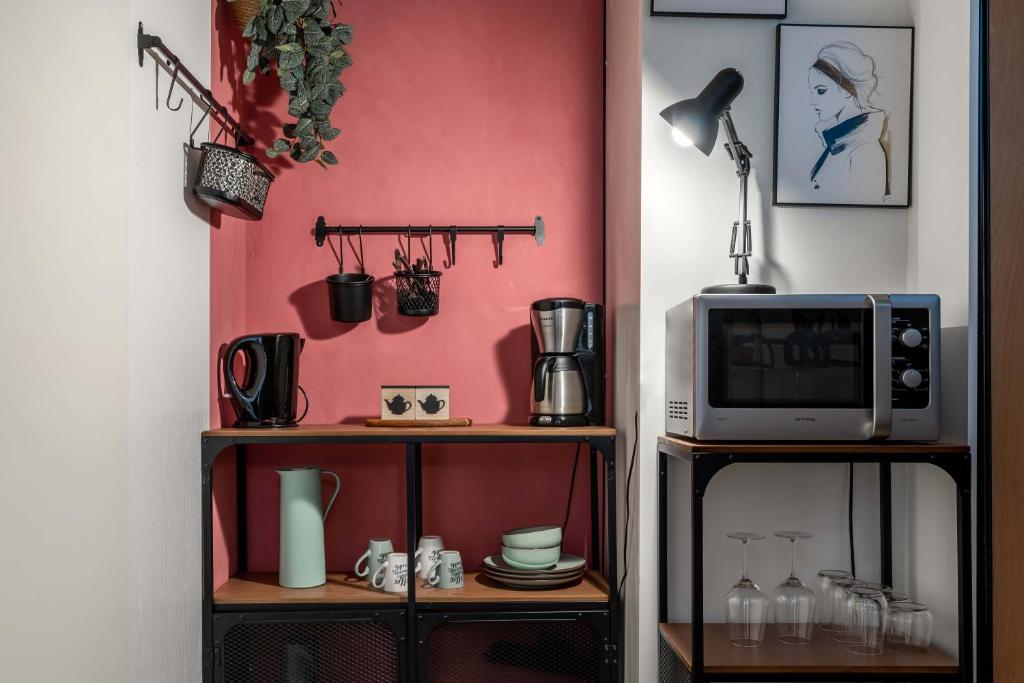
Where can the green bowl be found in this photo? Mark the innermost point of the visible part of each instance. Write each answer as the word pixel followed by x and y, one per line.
pixel 532 537
pixel 531 558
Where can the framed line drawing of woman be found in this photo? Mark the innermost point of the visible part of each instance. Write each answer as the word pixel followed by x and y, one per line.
pixel 843 115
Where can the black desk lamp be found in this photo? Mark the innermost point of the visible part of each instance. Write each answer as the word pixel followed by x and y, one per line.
pixel 695 124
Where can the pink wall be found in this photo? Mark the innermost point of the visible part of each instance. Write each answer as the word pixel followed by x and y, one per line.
pixel 457 111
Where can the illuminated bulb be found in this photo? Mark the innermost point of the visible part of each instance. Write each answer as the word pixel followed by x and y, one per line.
pixel 681 139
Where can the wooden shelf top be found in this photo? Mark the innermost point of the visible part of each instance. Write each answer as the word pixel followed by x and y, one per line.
pixel 688 446
pixel 823 655
pixel 347 589
pixel 263 589
pixel 358 431
pixel 479 588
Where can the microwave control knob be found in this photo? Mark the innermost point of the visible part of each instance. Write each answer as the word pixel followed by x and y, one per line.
pixel 911 378
pixel 911 338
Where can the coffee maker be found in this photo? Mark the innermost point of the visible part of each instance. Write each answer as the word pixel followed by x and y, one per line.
pixel 568 363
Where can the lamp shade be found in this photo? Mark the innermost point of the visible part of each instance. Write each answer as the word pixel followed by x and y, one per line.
pixel 697 119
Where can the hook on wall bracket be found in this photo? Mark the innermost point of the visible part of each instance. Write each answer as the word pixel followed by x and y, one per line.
pixel 166 58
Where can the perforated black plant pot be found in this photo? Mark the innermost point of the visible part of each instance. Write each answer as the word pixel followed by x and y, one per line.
pixel 419 294
pixel 350 296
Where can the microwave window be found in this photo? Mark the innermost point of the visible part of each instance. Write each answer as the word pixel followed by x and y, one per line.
pixel 789 358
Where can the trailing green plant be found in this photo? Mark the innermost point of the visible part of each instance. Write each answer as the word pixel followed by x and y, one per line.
pixel 296 38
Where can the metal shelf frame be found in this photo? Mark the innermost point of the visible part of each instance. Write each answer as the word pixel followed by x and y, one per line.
pixel 603 527
pixel 705 462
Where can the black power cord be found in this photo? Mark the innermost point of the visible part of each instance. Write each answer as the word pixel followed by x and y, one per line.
pixel 849 512
pixel 629 480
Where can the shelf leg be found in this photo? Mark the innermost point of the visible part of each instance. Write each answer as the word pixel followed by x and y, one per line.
pixel 595 521
pixel 412 514
pixel 662 537
pixel 885 519
pixel 697 568
pixel 242 511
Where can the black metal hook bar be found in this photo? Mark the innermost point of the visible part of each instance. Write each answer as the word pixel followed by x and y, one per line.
pixel 322 230
pixel 145 41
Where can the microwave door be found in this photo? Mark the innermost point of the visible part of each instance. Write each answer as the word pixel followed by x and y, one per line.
pixel 803 371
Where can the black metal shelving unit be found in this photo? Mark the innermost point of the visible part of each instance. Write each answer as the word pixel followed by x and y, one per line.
pixel 417 638
pixel 685 650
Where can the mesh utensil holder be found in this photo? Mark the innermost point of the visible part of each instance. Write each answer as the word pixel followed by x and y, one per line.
pixel 419 294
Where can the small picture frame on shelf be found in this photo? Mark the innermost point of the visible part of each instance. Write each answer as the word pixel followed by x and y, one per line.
pixel 843 115
pixel 432 402
pixel 736 9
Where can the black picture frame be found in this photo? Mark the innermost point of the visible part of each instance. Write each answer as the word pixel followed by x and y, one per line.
pixel 718 15
pixel 775 143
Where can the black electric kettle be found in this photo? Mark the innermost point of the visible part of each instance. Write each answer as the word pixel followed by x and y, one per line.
pixel 268 395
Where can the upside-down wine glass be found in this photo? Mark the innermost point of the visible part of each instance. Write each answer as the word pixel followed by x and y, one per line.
pixel 746 606
pixel 794 602
pixel 824 606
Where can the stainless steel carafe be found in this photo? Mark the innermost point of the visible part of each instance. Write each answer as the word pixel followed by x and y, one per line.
pixel 558 387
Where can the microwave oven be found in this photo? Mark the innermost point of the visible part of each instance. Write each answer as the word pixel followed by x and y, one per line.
pixel 822 367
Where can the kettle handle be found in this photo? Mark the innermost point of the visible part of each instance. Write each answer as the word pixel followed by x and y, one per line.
pixel 306 409
pixel 540 378
pixel 337 488
pixel 258 371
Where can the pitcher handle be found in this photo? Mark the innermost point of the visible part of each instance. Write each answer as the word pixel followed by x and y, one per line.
pixel 337 488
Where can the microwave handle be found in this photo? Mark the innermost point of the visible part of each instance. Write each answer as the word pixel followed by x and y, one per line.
pixel 881 422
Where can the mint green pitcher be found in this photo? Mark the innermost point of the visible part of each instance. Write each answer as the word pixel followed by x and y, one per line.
pixel 302 526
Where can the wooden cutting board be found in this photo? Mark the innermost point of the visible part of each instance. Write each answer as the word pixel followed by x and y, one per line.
pixel 456 422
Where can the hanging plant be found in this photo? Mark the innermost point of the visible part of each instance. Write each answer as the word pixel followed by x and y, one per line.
pixel 309 53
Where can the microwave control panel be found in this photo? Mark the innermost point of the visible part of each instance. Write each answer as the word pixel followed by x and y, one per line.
pixel 910 364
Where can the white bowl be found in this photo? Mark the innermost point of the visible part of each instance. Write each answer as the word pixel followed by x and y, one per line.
pixel 531 537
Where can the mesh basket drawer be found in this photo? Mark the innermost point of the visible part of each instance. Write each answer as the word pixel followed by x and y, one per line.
pixel 517 651
pixel 309 650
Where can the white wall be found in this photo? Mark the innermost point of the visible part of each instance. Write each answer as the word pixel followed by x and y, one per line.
pixel 169 333
pixel 64 340
pixel 105 350
pixel 688 205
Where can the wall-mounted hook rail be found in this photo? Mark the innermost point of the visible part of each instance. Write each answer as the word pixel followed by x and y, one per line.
pixel 499 231
pixel 145 41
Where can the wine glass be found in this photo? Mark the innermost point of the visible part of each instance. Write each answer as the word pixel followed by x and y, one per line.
pixel 794 602
pixel 842 627
pixel 909 627
pixel 824 585
pixel 746 606
pixel 869 611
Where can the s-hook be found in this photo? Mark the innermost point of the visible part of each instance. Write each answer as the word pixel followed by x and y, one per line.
pixel 170 90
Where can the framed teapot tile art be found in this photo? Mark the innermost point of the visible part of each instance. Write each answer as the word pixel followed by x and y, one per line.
pixel 397 402
pixel 432 402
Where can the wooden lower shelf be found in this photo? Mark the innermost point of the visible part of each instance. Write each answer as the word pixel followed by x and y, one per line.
pixel 346 588
pixel 822 655
pixel 481 589
pixel 262 589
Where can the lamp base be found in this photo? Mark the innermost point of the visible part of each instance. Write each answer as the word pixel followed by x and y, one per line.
pixel 738 289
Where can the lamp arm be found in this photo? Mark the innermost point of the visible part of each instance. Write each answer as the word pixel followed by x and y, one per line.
pixel 739 153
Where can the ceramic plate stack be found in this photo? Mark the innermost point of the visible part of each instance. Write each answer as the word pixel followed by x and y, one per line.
pixel 533 558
